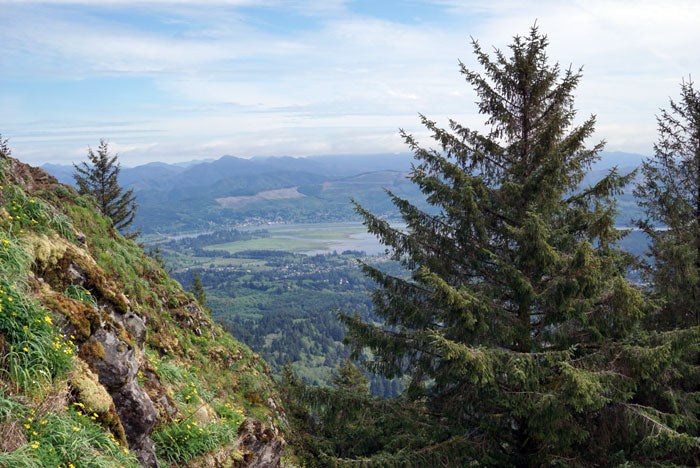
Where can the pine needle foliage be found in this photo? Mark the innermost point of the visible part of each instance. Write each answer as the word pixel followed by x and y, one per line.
pixel 4 148
pixel 670 197
pixel 343 426
pixel 100 178
pixel 518 329
pixel 197 290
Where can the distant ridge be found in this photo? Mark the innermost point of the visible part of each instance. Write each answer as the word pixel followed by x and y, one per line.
pixel 187 196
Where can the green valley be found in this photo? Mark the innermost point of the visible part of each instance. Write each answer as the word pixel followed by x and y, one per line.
pixel 280 301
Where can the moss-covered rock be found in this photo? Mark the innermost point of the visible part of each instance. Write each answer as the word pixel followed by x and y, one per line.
pixel 88 389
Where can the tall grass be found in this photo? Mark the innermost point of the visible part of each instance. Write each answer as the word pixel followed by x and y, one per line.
pixel 35 355
pixel 61 439
pixel 183 440
pixel 32 213
pixel 79 293
pixel 14 260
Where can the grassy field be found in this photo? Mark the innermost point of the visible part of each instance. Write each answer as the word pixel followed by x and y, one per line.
pixel 298 238
pixel 270 243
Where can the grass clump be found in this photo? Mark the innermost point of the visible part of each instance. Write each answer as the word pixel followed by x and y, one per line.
pixel 79 293
pixel 35 355
pixel 13 258
pixel 183 440
pixel 170 372
pixel 61 439
pixel 26 212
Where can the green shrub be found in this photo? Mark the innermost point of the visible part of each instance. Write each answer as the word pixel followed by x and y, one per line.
pixel 63 192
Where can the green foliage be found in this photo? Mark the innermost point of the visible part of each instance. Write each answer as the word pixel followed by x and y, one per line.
pixel 79 293
pixel 350 378
pixel 66 438
pixel 183 440
pixel 197 290
pixel 32 213
pixel 13 258
pixel 34 354
pixel 99 178
pixel 171 372
pixel 203 366
pixel 517 328
pixel 344 426
pixel 260 293
pixel 121 258
pixel 670 198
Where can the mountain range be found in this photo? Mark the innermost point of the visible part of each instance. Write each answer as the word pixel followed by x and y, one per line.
pixel 233 191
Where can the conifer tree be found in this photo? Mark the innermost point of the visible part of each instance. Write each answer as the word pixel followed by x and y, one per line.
pixel 670 197
pixel 343 425
pixel 197 289
pixel 350 378
pixel 517 327
pixel 4 148
pixel 100 178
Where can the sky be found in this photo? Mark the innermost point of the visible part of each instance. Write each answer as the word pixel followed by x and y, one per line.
pixel 176 80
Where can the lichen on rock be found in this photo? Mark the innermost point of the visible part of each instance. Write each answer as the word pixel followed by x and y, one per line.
pixel 88 389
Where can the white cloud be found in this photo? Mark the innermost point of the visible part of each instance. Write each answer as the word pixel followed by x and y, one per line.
pixel 347 82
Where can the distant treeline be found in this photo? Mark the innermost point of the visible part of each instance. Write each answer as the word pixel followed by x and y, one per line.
pixel 217 237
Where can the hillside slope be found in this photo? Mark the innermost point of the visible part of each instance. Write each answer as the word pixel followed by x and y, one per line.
pixel 105 361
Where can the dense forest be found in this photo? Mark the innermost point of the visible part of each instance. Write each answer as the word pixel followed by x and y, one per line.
pixel 286 305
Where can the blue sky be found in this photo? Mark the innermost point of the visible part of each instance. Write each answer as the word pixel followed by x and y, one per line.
pixel 175 80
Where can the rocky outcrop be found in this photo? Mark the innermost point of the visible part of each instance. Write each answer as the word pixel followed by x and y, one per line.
pixel 191 317
pixel 117 371
pixel 106 336
pixel 32 178
pixel 260 445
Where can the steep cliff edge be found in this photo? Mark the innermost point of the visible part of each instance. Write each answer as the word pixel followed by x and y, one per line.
pixel 104 360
